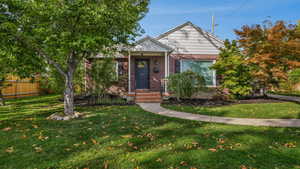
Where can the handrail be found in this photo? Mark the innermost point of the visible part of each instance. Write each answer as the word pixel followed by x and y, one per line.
pixel 163 84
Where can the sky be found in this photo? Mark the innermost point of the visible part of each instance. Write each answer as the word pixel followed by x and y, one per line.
pixel 229 14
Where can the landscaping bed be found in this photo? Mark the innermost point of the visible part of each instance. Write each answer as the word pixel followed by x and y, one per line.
pixel 219 102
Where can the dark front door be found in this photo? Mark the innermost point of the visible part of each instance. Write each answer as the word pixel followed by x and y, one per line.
pixel 142 73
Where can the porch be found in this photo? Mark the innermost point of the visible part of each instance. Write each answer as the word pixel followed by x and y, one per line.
pixel 148 70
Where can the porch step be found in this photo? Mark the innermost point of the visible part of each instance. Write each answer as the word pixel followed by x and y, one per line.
pixel 148 94
pixel 148 97
pixel 142 91
pixel 148 101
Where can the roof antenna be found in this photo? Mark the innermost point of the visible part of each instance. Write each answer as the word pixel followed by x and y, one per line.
pixel 213 24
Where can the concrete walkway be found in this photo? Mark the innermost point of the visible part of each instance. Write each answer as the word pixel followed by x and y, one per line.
pixel 157 109
pixel 285 98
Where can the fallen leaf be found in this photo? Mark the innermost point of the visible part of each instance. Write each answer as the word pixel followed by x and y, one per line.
pixel 40 137
pixel 127 136
pixel 183 163
pixel 159 160
pixel 212 150
pixel 243 167
pixel 76 145
pixel 130 144
pixel 35 126
pixel 67 149
pixel 6 129
pixel 238 144
pixel 221 141
pixel 290 145
pixel 94 141
pixel 38 149
pixel 10 150
pixel 105 165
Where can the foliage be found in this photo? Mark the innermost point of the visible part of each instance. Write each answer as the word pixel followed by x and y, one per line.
pixel 294 76
pixel 235 74
pixel 103 75
pixel 11 66
pixel 185 84
pixel 127 137
pixel 4 70
pixel 290 84
pixel 61 34
pixel 52 82
pixel 272 50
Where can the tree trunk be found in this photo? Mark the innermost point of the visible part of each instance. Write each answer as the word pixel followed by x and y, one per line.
pixel 69 94
pixel 2 101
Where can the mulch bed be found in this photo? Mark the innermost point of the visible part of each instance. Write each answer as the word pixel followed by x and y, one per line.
pixel 215 103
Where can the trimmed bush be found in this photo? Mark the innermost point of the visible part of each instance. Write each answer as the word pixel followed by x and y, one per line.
pixel 185 84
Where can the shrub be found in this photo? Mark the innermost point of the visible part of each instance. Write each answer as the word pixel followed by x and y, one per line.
pixel 235 74
pixel 103 76
pixel 291 84
pixel 185 84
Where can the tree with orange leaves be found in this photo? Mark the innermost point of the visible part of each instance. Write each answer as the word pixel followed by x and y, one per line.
pixel 272 51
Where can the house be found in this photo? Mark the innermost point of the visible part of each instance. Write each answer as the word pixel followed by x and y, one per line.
pixel 152 60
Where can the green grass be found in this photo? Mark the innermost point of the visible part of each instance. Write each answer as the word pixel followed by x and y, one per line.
pixel 284 110
pixel 126 137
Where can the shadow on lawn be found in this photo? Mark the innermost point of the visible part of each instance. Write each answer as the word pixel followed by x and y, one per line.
pixel 128 137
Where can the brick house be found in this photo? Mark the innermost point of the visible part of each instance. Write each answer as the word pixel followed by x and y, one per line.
pixel 152 60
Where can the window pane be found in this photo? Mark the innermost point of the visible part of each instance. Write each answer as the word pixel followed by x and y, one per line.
pixel 201 67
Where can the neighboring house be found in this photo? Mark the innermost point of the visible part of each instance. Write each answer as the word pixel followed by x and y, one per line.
pixel 152 60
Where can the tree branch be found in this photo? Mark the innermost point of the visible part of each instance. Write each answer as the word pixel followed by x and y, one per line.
pixel 50 61
pixel 41 53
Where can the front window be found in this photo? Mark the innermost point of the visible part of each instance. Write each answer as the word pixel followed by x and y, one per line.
pixel 201 67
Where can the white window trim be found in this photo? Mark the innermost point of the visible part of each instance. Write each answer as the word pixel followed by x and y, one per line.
pixel 214 71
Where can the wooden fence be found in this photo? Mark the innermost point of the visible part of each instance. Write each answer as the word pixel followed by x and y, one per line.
pixel 20 88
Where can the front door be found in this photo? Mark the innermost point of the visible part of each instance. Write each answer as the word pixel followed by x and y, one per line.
pixel 142 73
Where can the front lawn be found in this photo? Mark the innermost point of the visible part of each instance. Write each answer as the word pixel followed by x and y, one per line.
pixel 284 110
pixel 127 137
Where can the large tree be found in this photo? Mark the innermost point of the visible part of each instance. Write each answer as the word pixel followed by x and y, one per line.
pixel 61 33
pixel 272 51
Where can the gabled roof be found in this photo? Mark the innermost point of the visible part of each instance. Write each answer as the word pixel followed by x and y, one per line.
pixel 207 35
pixel 152 45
